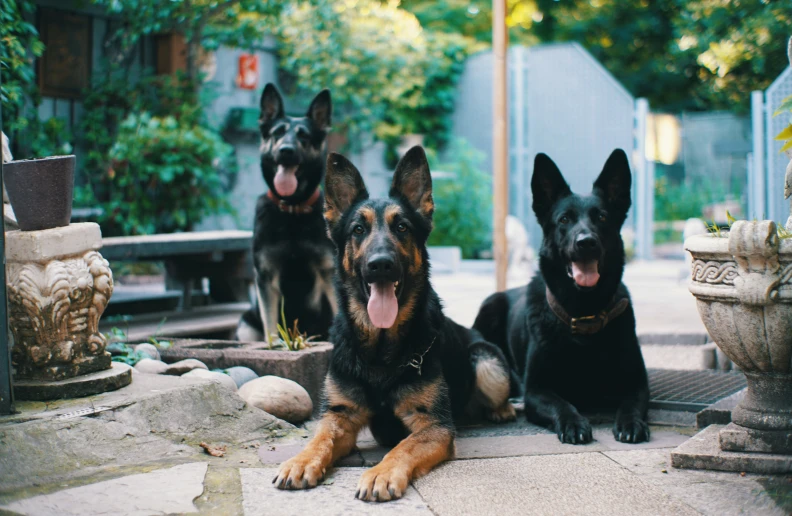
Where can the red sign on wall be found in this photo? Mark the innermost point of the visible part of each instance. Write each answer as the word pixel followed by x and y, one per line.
pixel 247 72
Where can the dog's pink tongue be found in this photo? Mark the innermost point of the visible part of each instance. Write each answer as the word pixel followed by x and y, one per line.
pixel 585 274
pixel 382 305
pixel 286 180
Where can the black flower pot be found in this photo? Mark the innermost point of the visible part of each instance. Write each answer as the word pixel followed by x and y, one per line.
pixel 41 191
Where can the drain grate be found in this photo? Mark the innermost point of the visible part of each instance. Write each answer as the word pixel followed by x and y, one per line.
pixel 691 391
pixel 87 412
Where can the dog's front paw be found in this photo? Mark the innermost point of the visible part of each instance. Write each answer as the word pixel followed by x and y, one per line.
pixel 574 429
pixel 299 473
pixel 631 430
pixel 382 483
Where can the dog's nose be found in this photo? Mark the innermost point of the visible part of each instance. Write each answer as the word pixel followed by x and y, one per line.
pixel 287 151
pixel 381 267
pixel 585 242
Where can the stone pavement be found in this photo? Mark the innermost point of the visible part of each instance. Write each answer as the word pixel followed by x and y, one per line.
pixel 516 468
pixel 508 469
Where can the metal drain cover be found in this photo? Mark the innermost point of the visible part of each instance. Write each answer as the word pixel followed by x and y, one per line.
pixel 691 391
pixel 84 412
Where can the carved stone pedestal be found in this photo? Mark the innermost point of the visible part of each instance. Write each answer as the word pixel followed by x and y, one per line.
pixel 58 288
pixel 743 289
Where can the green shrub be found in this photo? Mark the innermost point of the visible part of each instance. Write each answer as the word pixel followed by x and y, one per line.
pixel 164 175
pixel 686 199
pixel 463 202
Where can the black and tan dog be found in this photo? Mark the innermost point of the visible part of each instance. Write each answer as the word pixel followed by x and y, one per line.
pixel 292 254
pixel 570 333
pixel 399 366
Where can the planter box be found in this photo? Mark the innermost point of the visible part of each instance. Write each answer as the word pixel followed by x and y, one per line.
pixel 307 367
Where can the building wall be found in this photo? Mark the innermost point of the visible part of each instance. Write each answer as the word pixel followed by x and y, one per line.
pixel 226 95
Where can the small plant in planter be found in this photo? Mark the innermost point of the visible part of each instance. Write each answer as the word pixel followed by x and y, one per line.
pixel 125 353
pixel 292 338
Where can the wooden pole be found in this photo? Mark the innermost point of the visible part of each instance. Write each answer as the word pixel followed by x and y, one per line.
pixel 500 141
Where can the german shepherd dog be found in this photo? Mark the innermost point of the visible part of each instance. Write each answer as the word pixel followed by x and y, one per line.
pixel 292 255
pixel 570 333
pixel 398 365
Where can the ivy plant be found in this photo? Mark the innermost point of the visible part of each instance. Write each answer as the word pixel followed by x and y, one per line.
pixel 19 47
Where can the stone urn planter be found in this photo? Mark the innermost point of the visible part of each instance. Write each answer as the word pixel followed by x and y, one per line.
pixel 742 281
pixel 41 191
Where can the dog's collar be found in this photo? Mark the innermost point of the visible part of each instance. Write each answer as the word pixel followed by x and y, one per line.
pixel 416 361
pixel 302 208
pixel 589 324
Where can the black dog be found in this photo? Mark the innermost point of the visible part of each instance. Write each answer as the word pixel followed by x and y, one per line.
pixel 399 366
pixel 292 254
pixel 570 333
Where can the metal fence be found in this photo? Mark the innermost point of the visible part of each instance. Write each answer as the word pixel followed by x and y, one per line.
pixel 561 102
pixel 777 209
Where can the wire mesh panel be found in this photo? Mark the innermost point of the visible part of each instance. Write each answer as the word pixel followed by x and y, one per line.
pixel 561 102
pixel 778 209
pixel 691 391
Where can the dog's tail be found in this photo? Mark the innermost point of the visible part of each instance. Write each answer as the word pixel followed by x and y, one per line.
pixel 492 322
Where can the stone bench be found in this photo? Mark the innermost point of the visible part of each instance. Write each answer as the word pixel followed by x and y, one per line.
pixel 222 257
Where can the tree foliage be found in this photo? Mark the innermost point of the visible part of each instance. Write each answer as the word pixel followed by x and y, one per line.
pixel 680 54
pixel 388 74
pixel 739 46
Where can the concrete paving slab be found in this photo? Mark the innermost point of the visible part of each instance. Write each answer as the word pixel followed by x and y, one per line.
pixel 702 451
pixel 582 483
pixel 333 497
pixel 710 492
pixel 163 491
pixel 276 453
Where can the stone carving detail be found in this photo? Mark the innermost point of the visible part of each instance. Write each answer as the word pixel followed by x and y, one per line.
pixel 54 312
pixel 785 274
pixel 714 273
pixel 754 246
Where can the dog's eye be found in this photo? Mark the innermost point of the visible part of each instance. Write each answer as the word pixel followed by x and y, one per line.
pixel 564 220
pixel 603 217
pixel 278 131
pixel 401 228
pixel 358 229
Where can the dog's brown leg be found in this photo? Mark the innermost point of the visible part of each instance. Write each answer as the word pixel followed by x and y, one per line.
pixel 335 437
pixel 427 415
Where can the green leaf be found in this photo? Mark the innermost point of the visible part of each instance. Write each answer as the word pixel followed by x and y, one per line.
pixel 786 105
pixel 786 134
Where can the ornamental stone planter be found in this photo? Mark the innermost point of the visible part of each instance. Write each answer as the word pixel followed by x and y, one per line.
pixel 41 191
pixel 742 281
pixel 58 287
pixel 308 367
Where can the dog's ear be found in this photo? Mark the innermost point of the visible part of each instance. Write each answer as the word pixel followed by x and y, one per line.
pixel 320 110
pixel 614 183
pixel 547 185
pixel 271 104
pixel 412 182
pixel 343 187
